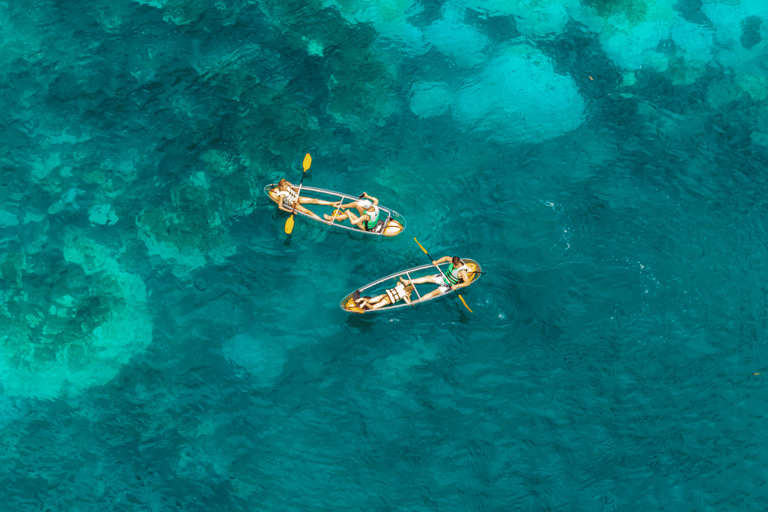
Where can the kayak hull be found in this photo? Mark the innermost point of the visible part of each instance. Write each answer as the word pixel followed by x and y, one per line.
pixel 394 223
pixel 348 303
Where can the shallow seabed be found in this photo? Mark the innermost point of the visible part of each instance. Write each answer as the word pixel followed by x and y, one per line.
pixel 164 345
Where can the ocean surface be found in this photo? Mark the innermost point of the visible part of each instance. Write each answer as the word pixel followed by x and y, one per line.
pixel 165 346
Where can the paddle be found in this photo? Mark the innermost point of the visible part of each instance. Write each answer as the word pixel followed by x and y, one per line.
pixel 441 272
pixel 289 222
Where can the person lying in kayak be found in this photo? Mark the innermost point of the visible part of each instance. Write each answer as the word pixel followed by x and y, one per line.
pixel 287 194
pixel 455 277
pixel 368 209
pixel 402 291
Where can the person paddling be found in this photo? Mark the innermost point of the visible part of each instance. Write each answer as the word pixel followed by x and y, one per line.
pixel 287 195
pixel 455 277
pixel 368 209
pixel 402 291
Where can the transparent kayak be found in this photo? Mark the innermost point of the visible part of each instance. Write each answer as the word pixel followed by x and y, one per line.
pixel 390 222
pixel 380 285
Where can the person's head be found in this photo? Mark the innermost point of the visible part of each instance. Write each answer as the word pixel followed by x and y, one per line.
pixel 456 261
pixel 282 184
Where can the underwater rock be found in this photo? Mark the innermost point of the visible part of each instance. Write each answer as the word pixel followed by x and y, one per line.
pixel 630 36
pixel 263 357
pixel 362 88
pixel 695 45
pixel 8 219
pixel 750 31
pixel 403 366
pixel 739 87
pixel 389 19
pixel 102 214
pixel 760 138
pixel 219 162
pixel 532 17
pixel 430 99
pixel 180 12
pixel 460 42
pixel 191 233
pixel 73 325
pixel 518 97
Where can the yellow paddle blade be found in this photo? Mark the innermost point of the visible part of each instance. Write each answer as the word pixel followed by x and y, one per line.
pixel 465 303
pixel 289 225
pixel 307 162
pixel 422 248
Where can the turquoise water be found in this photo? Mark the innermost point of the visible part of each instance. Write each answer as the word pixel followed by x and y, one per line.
pixel 164 345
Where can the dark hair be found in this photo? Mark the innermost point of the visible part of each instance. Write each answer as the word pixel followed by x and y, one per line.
pixel 456 261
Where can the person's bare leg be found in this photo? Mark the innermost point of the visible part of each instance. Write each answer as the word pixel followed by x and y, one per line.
pixel 421 280
pixel 355 220
pixel 383 302
pixel 370 300
pixel 312 200
pixel 431 294
pixel 308 212
pixel 339 216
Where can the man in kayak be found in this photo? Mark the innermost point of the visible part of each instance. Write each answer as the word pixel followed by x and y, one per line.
pixel 456 276
pixel 287 194
pixel 368 209
pixel 402 291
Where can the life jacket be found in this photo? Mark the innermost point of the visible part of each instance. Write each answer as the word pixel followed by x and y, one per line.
pixel 452 275
pixel 397 293
pixel 374 215
pixel 290 195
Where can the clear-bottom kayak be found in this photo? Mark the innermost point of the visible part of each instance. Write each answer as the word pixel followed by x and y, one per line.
pixel 386 287
pixel 390 222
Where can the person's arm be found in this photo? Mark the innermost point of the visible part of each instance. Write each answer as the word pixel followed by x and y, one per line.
pixel 407 298
pixel 464 281
pixel 373 199
pixel 280 203
pixel 444 259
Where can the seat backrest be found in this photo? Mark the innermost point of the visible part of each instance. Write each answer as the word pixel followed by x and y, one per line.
pixel 379 227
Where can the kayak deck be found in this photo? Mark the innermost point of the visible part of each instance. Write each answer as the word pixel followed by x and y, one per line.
pixel 393 224
pixel 379 286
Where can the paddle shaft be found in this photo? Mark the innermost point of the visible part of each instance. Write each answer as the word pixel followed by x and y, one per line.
pixel 337 211
pixel 414 286
pixel 298 194
pixel 438 268
pixel 441 272
pixel 289 223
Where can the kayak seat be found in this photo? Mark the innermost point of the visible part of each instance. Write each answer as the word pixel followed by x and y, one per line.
pixel 379 227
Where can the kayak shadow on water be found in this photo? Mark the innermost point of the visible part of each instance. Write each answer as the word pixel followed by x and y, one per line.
pixel 360 322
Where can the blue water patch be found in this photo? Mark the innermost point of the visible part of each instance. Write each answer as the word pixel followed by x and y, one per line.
pixel 165 345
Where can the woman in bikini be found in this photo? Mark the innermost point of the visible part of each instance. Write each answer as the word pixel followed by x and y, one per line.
pixel 402 291
pixel 287 195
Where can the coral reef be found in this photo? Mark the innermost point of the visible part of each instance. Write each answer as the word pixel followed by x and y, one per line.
pixel 189 234
pixel 70 324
